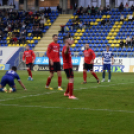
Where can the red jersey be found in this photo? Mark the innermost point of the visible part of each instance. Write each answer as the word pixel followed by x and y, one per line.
pixel 67 60
pixel 29 56
pixel 53 52
pixel 88 56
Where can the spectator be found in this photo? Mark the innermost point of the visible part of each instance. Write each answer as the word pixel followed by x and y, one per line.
pixel 104 9
pixel 30 13
pixel 66 29
pixel 130 17
pixel 132 41
pixel 68 35
pixel 22 36
pixel 45 11
pixel 121 7
pixel 126 6
pixel 49 10
pixel 128 41
pixel 121 44
pixel 108 8
pixel 96 9
pixel 59 9
pixel 14 39
pixel 62 28
pixel 1 35
pixel 81 25
pixel 122 17
pixel 75 6
pixel 81 9
pixel 93 10
pixel 132 8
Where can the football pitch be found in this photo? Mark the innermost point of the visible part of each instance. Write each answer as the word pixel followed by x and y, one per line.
pixel 106 108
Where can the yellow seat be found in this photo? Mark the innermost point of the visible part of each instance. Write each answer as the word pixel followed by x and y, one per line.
pixel 73 45
pixel 32 41
pixel 21 45
pixel 24 45
pixel 116 30
pixel 76 16
pixel 75 41
pixel 98 20
pixel 112 38
pixel 114 41
pixel 83 30
pixel 115 33
pixel 35 38
pixel 108 16
pixel 39 38
pixel 78 38
pixel 72 17
pixel 121 22
pixel 8 38
pixel 48 20
pixel 124 41
pixel 91 23
pixel 112 30
pixel 108 38
pixel 117 45
pixel 75 38
pixel 104 16
pixel 110 34
pixel 49 24
pixel 110 41
pixel 112 45
pixel 8 41
pixel 29 34
pixel 79 30
pixel 119 26
pixel 10 45
pixel 76 34
pixel 80 34
pixel 117 23
pixel 96 23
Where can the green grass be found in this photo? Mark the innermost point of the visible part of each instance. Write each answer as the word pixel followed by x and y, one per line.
pixel 107 108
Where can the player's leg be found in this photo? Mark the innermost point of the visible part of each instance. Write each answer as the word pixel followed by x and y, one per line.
pixel 11 83
pixel 103 73
pixel 49 80
pixel 12 89
pixel 29 71
pixel 57 68
pixel 67 89
pixel 93 73
pixel 85 68
pixel 109 72
pixel 3 84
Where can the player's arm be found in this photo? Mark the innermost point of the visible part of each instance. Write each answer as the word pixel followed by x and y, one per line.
pixel 49 49
pixel 22 85
pixel 102 58
pixel 23 57
pixel 33 56
pixel 93 57
pixel 112 58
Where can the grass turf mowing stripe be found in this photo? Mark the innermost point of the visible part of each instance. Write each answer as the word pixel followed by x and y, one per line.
pixel 47 107
pixel 51 92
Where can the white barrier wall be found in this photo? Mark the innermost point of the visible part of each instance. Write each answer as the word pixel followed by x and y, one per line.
pixel 6 53
pixel 120 65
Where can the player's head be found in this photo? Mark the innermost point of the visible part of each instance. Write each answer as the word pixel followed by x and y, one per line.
pixel 27 47
pixel 65 39
pixel 107 48
pixel 87 46
pixel 14 68
pixel 55 38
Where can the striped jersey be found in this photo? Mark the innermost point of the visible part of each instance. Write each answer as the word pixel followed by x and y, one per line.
pixel 107 55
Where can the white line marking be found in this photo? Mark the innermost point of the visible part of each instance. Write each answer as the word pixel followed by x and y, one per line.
pixel 47 107
pixel 51 92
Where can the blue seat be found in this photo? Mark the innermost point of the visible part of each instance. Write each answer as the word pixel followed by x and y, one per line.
pixel 103 45
pixel 119 49
pixel 80 54
pixel 124 49
pixel 115 49
pixel 98 54
pixel 129 49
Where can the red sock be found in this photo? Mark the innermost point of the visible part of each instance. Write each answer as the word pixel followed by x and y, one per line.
pixel 67 90
pixel 71 89
pixel 94 74
pixel 59 81
pixel 48 81
pixel 85 76
pixel 29 72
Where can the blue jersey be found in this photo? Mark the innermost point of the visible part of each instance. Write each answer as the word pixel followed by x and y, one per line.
pixel 107 55
pixel 12 75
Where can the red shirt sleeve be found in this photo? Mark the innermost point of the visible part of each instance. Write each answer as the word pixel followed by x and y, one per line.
pixel 93 54
pixel 49 49
pixel 24 56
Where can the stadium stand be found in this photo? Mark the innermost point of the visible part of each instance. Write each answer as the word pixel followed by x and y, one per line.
pixel 100 30
pixel 21 28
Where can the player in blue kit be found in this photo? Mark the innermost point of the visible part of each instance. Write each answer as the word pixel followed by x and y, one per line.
pixel 8 78
pixel 107 60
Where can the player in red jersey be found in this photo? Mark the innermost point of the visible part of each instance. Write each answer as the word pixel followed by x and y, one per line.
pixel 67 65
pixel 89 57
pixel 54 62
pixel 28 58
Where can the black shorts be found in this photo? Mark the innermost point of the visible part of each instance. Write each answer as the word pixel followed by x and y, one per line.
pixel 56 67
pixel 88 66
pixel 69 73
pixel 30 65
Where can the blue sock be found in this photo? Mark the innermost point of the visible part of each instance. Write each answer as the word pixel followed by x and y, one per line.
pixel 103 75
pixel 1 89
pixel 109 72
pixel 14 90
